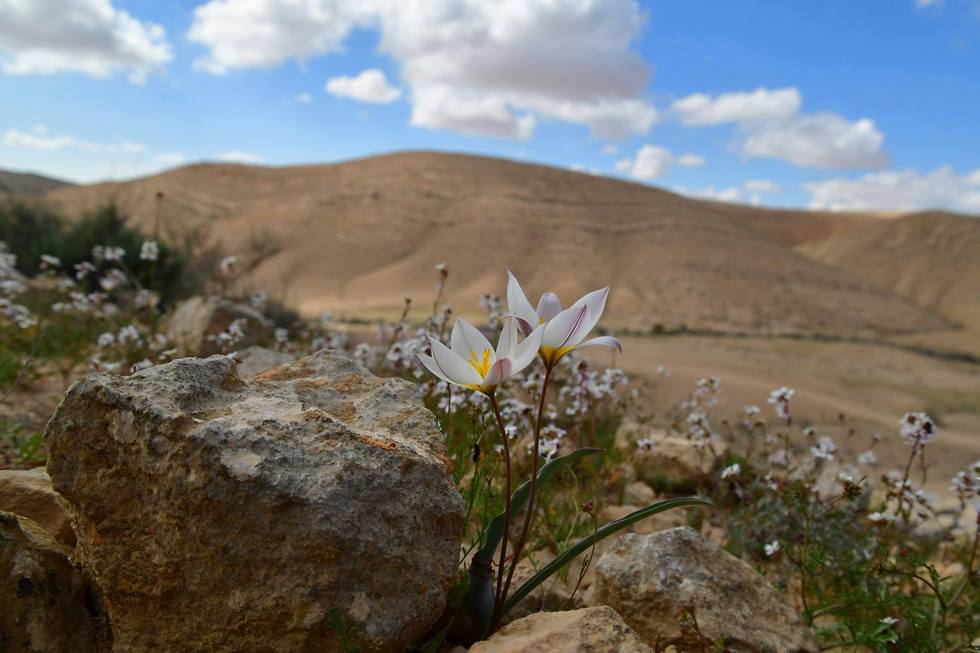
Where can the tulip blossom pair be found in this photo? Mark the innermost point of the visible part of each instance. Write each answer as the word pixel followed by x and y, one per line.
pixel 564 330
pixel 471 361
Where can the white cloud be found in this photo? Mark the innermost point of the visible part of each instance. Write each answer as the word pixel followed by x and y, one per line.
pixel 610 149
pixel 239 156
pixel 690 160
pixel 903 190
pixel 652 161
pixel 762 186
pixel 369 86
pixel 753 106
pixel 39 139
pixel 41 37
pixel 821 140
pixel 69 157
pixel 730 194
pixel 771 125
pixel 493 69
pixel 303 98
pixel 578 167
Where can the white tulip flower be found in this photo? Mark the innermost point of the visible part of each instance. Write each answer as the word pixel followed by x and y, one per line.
pixel 564 330
pixel 474 364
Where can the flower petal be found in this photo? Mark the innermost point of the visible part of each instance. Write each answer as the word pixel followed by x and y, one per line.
pixel 467 340
pixel 518 305
pixel 548 306
pixel 604 341
pixel 508 339
pixel 596 301
pixel 526 351
pixel 456 369
pixel 559 330
pixel 431 365
pixel 497 374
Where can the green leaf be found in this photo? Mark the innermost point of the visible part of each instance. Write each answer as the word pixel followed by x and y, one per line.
pixel 495 531
pixel 568 554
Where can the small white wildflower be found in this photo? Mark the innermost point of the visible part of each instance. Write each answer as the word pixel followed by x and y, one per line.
pixel 867 458
pixel 780 399
pixel 228 265
pixel 917 428
pixel 732 470
pixel 644 444
pixel 772 548
pixel 880 517
pixel 825 449
pixel 106 339
pixel 149 251
pixel 888 621
pixel 49 262
pixel 663 371
pixel 752 410
pixel 128 333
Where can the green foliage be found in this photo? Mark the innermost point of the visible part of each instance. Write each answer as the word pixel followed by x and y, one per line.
pixel 31 230
pixel 28 446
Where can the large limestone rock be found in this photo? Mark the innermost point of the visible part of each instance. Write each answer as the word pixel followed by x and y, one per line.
pixel 198 321
pixel 45 604
pixel 658 582
pixel 267 515
pixel 589 630
pixel 28 493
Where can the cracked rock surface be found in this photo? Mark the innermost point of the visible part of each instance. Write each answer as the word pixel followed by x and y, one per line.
pixel 264 515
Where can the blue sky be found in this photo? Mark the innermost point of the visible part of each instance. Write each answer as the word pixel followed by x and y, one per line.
pixel 829 104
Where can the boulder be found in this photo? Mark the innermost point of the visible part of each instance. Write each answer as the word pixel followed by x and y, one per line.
pixel 28 493
pixel 196 323
pixel 255 359
pixel 309 505
pixel 640 493
pixel 589 630
pixel 47 607
pixel 675 587
pixel 671 459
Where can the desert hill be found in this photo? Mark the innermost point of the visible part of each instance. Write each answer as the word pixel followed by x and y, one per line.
pixel 22 184
pixel 355 237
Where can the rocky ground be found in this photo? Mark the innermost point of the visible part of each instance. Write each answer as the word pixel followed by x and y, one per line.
pixel 187 508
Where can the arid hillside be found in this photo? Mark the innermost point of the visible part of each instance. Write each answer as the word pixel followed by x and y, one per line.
pixel 23 184
pixel 356 237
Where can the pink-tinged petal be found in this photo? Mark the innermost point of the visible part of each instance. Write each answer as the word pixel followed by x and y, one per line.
pixel 565 325
pixel 548 306
pixel 467 340
pixel 596 301
pixel 497 374
pixel 518 305
pixel 456 369
pixel 508 339
pixel 603 341
pixel 526 351
pixel 432 366
pixel 525 326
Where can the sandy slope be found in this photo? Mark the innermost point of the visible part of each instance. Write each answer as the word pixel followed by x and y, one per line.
pixel 355 237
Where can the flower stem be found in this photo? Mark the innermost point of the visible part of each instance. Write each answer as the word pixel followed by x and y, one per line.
pixel 529 515
pixel 498 601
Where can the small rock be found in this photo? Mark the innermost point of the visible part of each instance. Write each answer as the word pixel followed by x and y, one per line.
pixel 264 515
pixel 255 359
pixel 47 607
pixel 28 493
pixel 639 493
pixel 589 630
pixel 197 321
pixel 671 459
pixel 654 580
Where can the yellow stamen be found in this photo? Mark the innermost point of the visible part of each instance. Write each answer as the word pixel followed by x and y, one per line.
pixel 482 367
